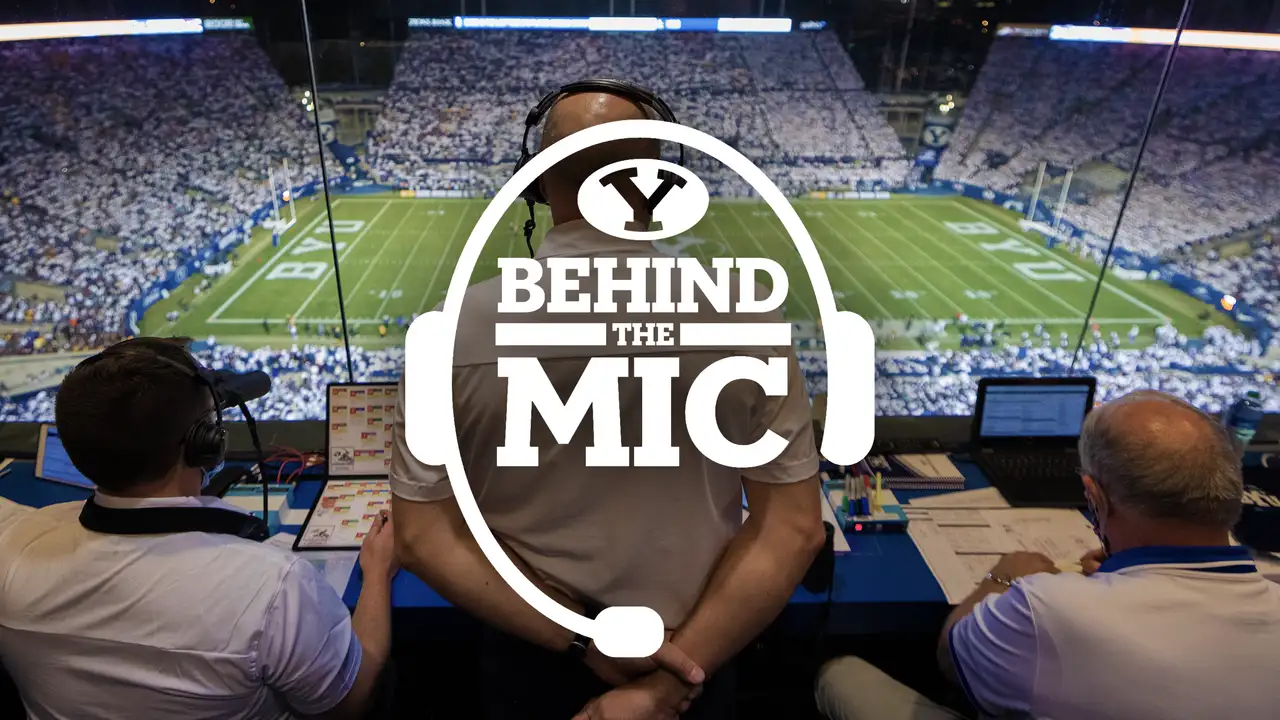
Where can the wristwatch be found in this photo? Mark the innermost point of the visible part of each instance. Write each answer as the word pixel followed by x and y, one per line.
pixel 581 643
pixel 999 580
pixel 578 648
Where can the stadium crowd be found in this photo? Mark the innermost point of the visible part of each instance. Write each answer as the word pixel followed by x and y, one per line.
pixel 123 157
pixel 1210 163
pixel 770 97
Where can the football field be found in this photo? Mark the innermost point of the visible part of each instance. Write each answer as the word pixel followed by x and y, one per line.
pixel 894 261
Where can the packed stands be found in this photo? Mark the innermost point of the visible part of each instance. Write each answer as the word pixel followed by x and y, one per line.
pixel 793 103
pixel 1210 164
pixel 120 157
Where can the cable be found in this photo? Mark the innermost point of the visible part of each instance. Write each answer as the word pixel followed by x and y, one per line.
pixel 262 463
pixel 328 206
pixel 1133 177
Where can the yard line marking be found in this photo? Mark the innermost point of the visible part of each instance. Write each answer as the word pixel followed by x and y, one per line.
pixel 870 263
pixel 945 297
pixel 374 262
pixel 861 288
pixel 1154 312
pixel 443 257
pixel 267 265
pixel 765 253
pixel 977 267
pixel 407 262
pixel 975 246
pixel 343 256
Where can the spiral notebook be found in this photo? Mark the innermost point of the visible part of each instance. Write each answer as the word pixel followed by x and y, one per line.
pixel 934 471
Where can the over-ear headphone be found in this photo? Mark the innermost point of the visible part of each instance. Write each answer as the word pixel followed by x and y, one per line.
pixel 532 194
pixel 431 427
pixel 205 443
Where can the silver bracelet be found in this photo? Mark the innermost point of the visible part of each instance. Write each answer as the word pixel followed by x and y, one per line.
pixel 1001 581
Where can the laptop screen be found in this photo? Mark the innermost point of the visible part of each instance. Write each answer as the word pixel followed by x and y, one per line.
pixel 53 462
pixel 359 429
pixel 1034 411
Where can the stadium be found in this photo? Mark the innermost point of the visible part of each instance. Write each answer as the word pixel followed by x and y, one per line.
pixel 170 183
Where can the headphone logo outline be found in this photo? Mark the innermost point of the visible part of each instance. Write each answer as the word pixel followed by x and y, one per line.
pixel 430 425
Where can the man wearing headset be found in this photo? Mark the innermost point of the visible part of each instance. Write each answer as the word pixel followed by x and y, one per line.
pixel 167 608
pixel 670 538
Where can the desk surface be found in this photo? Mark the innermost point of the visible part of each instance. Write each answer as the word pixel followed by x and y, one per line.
pixel 881 585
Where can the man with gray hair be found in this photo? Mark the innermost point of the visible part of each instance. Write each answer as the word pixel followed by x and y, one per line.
pixel 1168 619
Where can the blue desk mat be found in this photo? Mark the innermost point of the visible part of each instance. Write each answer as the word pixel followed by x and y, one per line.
pixel 881 585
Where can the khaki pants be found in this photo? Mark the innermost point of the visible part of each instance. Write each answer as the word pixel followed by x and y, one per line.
pixel 850 688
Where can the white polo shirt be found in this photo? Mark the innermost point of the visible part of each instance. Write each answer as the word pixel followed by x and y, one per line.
pixel 1158 633
pixel 612 535
pixel 187 625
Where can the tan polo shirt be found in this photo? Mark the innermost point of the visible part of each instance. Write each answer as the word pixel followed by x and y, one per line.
pixel 614 536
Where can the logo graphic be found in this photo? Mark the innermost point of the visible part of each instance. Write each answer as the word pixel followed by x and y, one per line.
pixel 677 200
pixel 937 136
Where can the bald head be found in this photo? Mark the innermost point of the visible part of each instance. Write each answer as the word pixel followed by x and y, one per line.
pixel 1164 459
pixel 580 111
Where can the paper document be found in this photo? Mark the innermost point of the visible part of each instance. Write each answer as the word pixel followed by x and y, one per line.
pixel 946 517
pixel 936 465
pixel 987 497
pixel 977 540
pixel 960 555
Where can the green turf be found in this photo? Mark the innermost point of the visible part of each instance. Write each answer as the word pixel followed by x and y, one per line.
pixel 889 260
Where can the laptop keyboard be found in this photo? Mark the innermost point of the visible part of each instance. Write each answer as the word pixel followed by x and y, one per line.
pixel 1023 468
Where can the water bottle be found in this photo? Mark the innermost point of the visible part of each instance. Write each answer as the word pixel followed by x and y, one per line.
pixel 1242 418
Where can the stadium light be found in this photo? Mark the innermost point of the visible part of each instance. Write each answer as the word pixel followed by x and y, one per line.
pixel 1158 36
pixel 99 28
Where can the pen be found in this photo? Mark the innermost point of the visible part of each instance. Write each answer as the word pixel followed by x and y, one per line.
pixel 879 482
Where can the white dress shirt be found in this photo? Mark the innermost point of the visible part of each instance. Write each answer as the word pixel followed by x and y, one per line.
pixel 185 625
pixel 1158 633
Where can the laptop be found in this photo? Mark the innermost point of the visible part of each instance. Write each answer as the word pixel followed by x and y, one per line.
pixel 52 462
pixel 1025 432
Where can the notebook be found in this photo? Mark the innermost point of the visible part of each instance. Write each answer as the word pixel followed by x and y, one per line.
pixel 916 472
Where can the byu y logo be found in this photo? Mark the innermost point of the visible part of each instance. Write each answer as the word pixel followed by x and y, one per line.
pixel 676 199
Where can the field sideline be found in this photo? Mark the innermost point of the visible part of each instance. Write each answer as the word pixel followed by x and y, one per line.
pixel 907 258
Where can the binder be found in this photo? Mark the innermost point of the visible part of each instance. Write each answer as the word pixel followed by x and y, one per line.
pixel 916 472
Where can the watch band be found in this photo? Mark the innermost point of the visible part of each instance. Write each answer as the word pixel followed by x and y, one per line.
pixel 581 643
pixel 578 648
pixel 999 580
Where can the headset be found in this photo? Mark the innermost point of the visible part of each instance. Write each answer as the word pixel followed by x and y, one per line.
pixel 532 194
pixel 430 423
pixel 204 445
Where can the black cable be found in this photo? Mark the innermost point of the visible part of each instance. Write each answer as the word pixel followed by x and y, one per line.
pixel 328 207
pixel 1133 177
pixel 262 462
pixel 529 225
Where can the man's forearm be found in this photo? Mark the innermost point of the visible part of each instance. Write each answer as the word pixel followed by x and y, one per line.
pixel 371 623
pixel 448 559
pixel 749 587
